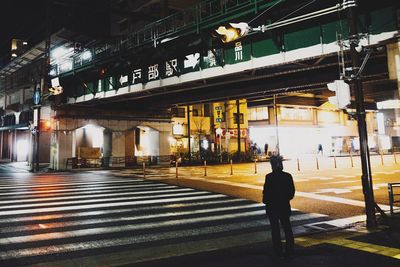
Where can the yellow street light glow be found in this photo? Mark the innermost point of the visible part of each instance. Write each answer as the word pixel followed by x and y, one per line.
pixel 232 32
pixel 56 90
pixel 227 35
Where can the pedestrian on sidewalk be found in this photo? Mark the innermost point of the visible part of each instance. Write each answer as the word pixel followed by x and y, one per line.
pixel 320 150
pixel 278 191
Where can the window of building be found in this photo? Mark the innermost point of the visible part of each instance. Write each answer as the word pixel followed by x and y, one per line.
pixel 235 118
pixel 327 116
pixel 258 113
pixel 296 114
pixel 197 110
pixel 207 109
pixel 178 112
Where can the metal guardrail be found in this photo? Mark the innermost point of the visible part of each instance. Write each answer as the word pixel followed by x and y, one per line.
pixel 127 161
pixel 82 163
pixel 394 196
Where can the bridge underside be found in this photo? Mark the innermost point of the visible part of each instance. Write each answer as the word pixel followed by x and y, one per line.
pixel 301 82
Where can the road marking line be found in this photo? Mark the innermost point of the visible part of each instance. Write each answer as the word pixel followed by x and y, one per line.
pixel 345 182
pixel 18 186
pixel 353 202
pixel 96 200
pixel 333 190
pixel 352 244
pixel 85 190
pixel 132 218
pixel 344 176
pixel 89 196
pixel 154 225
pixel 107 205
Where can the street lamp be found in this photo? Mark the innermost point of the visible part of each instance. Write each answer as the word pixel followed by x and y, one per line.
pixel 232 32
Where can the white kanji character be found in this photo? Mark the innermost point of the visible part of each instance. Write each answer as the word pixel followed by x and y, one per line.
pixel 137 74
pixel 212 61
pixel 153 72
pixel 238 51
pixel 170 66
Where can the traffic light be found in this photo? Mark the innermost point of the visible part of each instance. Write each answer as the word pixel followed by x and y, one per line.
pixel 45 125
pixel 232 32
pixel 342 93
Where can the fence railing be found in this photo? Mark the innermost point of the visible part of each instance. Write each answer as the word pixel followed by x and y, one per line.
pixel 205 14
pixel 127 161
pixel 394 196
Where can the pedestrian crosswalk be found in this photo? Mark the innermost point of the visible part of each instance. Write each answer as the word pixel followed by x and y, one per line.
pixel 100 220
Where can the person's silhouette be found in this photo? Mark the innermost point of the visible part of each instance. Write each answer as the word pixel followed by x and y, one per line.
pixel 278 191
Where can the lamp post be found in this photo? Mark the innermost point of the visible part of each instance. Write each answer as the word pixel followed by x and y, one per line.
pixel 355 80
pixel 238 130
pixel 188 133
pixel 276 126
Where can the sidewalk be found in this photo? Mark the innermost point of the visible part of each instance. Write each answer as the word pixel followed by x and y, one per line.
pixel 353 246
pixel 19 167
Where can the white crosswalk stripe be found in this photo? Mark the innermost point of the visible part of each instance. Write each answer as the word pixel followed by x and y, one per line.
pixel 52 221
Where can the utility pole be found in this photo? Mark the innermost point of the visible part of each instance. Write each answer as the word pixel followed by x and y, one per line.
pixel 226 120
pixel 238 129
pixel 43 80
pixel 366 178
pixel 276 126
pixel 188 132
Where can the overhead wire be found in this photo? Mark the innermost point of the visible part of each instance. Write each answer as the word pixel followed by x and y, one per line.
pixel 295 11
pixel 265 11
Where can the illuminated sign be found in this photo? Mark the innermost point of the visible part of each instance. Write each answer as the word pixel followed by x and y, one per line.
pixel 177 129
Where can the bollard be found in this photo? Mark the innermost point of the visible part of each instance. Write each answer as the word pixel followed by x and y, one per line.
pixel 144 169
pixel 231 168
pixel 255 166
pixel 176 169
pixel 351 160
pixel 381 159
pixel 298 164
pixel 394 155
pixel 334 161
pixel 316 159
pixel 205 168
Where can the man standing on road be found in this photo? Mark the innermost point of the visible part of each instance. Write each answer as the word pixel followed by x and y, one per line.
pixel 278 191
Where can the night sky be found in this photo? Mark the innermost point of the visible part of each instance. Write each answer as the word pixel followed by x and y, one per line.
pixel 26 19
pixel 20 19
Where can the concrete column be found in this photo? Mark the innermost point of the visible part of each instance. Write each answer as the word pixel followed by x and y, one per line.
pixel 14 146
pixel 74 145
pixel 61 149
pixel 165 149
pixel 118 146
pixel 44 149
pixel 1 144
pixel 130 143
pixel 393 58
pixel 30 154
pixel 107 145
